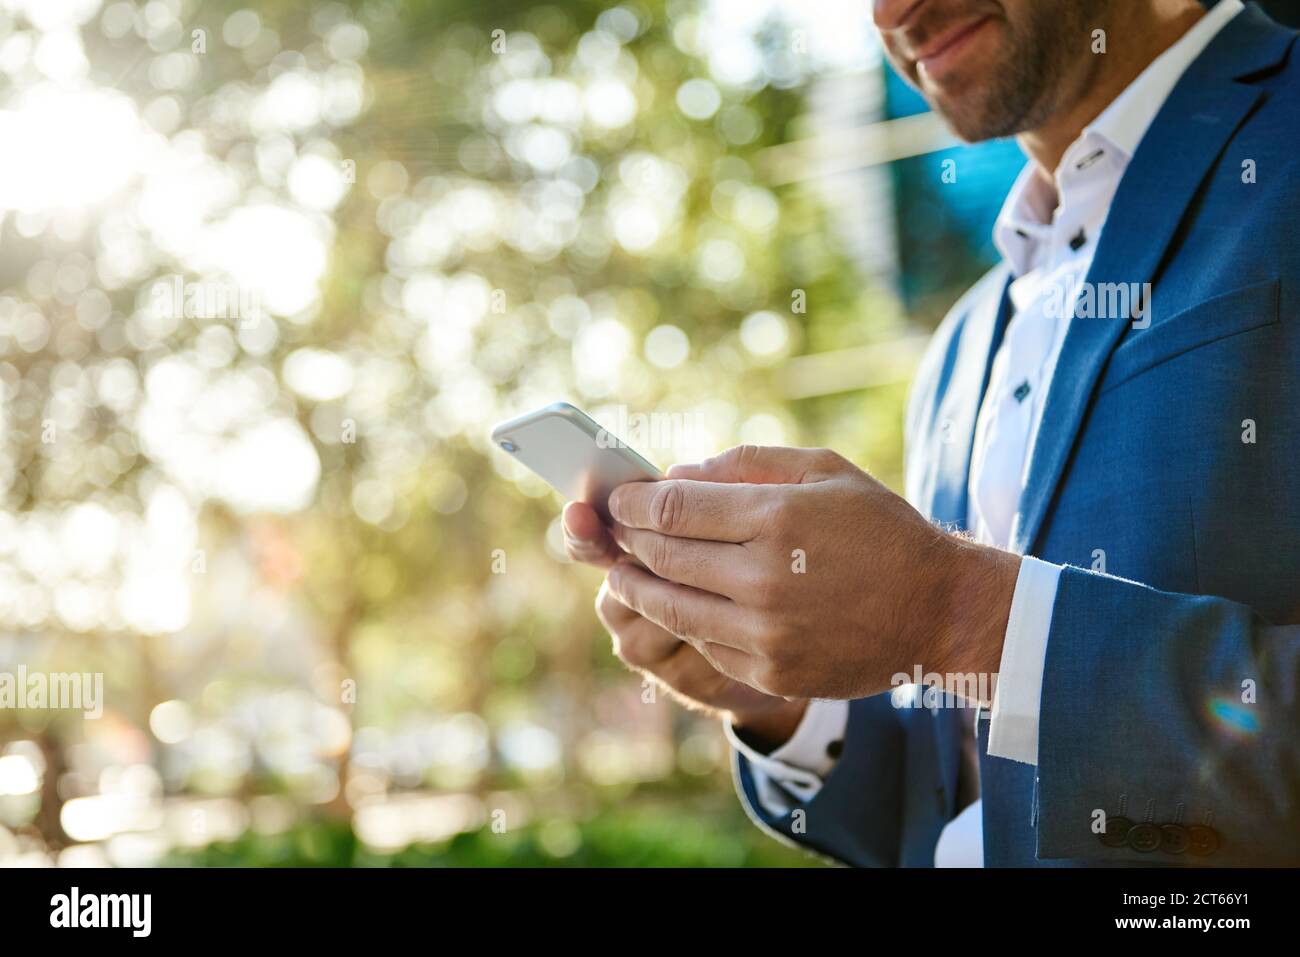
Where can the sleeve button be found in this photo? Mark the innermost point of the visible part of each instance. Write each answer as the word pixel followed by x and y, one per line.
pixel 1144 837
pixel 1202 840
pixel 1173 838
pixel 1116 833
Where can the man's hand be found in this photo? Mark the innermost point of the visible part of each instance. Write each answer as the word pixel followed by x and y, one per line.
pixel 647 648
pixel 797 573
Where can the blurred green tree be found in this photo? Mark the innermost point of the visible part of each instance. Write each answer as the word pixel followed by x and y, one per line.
pixel 431 215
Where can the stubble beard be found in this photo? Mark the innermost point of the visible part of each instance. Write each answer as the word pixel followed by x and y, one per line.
pixel 1025 90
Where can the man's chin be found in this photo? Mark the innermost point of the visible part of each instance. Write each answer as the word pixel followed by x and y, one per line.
pixel 972 120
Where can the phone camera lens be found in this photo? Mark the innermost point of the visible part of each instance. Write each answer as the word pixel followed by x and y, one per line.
pixel 509 446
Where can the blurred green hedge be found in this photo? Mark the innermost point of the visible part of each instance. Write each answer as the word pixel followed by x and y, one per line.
pixel 665 835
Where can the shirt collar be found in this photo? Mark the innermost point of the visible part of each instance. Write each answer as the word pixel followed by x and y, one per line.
pixel 1026 215
pixel 1023 223
pixel 1129 116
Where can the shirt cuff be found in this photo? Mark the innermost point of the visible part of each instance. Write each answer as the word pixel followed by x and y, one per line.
pixel 1013 723
pixel 798 767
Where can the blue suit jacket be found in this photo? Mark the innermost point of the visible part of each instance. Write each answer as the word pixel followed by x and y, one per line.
pixel 1146 454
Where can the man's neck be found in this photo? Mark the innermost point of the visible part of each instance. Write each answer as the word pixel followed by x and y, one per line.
pixel 1136 33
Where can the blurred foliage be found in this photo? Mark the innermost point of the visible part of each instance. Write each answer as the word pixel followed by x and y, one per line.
pixel 275 533
pixel 662 835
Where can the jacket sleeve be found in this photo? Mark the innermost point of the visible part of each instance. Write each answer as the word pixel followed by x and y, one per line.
pixel 854 819
pixel 1183 707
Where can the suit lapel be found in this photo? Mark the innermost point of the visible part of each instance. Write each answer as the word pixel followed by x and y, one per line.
pixel 1182 145
pixel 952 435
pixel 945 493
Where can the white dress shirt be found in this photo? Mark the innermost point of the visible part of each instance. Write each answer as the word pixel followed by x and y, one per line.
pixel 1047 233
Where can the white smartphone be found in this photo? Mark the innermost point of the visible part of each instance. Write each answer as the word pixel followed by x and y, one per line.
pixel 573 453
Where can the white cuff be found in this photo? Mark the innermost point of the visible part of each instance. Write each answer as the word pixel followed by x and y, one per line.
pixel 800 765
pixel 1013 723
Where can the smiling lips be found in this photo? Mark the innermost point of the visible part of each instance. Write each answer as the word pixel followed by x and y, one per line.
pixel 944 51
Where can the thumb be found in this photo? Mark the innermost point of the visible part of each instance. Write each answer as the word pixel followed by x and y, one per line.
pixel 761 465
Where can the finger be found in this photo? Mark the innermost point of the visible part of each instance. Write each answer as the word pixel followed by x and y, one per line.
pixel 762 465
pixel 684 667
pixel 586 539
pixel 701 672
pixel 638 642
pixel 690 614
pixel 704 679
pixel 718 567
pixel 643 645
pixel 685 509
pixel 730 662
